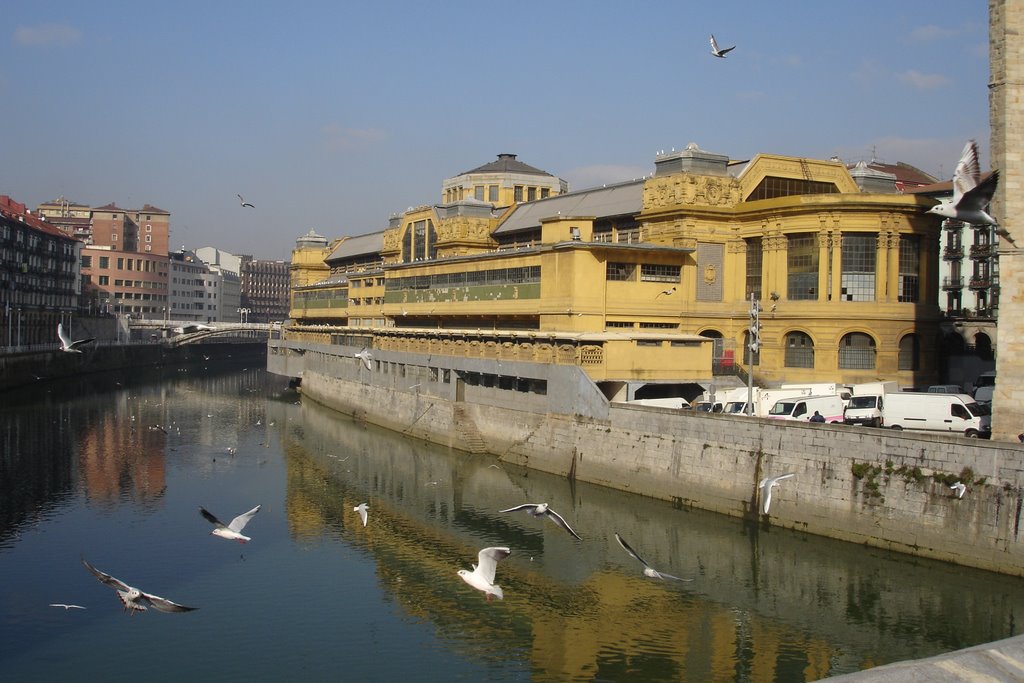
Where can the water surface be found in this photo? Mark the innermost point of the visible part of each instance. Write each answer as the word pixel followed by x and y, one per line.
pixel 114 469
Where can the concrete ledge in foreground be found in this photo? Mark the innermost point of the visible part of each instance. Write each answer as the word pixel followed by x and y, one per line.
pixel 995 662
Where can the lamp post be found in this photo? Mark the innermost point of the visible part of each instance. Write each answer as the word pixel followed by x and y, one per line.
pixel 754 343
pixel 243 315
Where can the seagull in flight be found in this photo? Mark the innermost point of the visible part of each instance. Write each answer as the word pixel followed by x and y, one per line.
pixel 766 486
pixel 717 51
pixel 361 509
pixel 65 606
pixel 232 531
pixel 245 203
pixel 960 489
pixel 971 195
pixel 482 576
pixel 134 599
pixel 365 356
pixel 542 510
pixel 667 292
pixel 648 569
pixel 65 341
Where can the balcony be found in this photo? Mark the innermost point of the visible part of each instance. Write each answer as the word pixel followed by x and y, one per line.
pixel 981 251
pixel 952 225
pixel 952 282
pixel 980 282
pixel 952 253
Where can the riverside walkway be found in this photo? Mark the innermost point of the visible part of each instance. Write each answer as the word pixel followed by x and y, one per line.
pixel 1002 660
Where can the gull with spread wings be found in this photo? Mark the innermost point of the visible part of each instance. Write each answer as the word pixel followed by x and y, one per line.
pixel 232 531
pixel 135 599
pixel 542 510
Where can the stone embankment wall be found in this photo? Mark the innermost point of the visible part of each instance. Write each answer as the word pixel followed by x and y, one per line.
pixel 871 486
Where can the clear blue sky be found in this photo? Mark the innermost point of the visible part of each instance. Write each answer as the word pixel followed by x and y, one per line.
pixel 332 116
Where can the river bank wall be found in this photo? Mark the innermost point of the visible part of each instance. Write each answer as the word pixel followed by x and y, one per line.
pixel 869 486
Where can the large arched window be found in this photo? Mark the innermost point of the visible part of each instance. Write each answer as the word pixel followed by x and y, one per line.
pixel 908 359
pixel 799 350
pixel 857 352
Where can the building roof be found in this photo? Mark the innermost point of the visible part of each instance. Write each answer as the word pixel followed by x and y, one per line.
pixel 622 199
pixel 112 206
pixel 362 245
pixel 16 211
pixel 507 163
pixel 149 208
pixel 943 189
pixel 907 176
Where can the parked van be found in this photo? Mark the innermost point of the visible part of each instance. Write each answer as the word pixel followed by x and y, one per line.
pixel 984 387
pixel 802 408
pixel 865 406
pixel 937 412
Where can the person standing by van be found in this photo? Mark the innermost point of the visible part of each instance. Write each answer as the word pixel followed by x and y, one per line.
pixel 817 417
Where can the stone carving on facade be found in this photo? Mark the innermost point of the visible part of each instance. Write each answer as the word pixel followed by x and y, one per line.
pixel 738 246
pixel 686 188
pixel 710 274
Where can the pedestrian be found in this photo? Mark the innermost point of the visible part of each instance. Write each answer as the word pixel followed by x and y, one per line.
pixel 817 417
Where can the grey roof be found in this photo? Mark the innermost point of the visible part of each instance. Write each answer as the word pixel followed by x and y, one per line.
pixel 601 202
pixel 358 246
pixel 507 163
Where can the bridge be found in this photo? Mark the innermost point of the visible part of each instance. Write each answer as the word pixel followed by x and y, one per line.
pixel 183 332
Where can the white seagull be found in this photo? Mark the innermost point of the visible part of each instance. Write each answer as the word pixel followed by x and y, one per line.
pixel 718 52
pixel 482 576
pixel 134 599
pixel 361 509
pixel 65 606
pixel 971 195
pixel 960 489
pixel 245 203
pixel 365 356
pixel 542 510
pixel 648 569
pixel 766 486
pixel 65 341
pixel 667 292
pixel 232 531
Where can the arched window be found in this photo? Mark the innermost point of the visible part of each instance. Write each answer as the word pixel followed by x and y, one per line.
pixel 857 352
pixel 983 346
pixel 799 350
pixel 908 353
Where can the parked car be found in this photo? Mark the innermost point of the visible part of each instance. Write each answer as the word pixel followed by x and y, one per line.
pixel 937 412
pixel 802 408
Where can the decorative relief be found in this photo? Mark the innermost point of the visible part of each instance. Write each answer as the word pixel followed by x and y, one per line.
pixel 710 274
pixel 738 246
pixel 686 188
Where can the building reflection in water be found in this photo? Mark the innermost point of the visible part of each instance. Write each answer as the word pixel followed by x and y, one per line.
pixel 762 604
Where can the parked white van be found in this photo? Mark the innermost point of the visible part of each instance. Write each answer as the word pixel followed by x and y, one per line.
pixel 802 408
pixel 865 406
pixel 937 412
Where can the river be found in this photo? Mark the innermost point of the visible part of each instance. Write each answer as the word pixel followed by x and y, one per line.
pixel 113 469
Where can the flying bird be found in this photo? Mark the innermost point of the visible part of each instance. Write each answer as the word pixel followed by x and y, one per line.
pixel 245 203
pixel 667 292
pixel 365 356
pixel 971 195
pixel 482 576
pixel 65 341
pixel 66 607
pixel 766 486
pixel 648 569
pixel 960 489
pixel 232 531
pixel 542 510
pixel 718 52
pixel 134 599
pixel 361 509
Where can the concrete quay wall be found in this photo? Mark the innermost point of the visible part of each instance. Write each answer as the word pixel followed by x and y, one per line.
pixel 874 487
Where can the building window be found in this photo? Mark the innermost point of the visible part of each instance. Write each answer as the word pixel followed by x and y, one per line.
pixel 773 186
pixel 531 194
pixel 656 272
pixel 802 267
pixel 910 264
pixel 799 350
pixel 478 192
pixel 149 228
pixel 104 279
pixel 755 259
pixel 544 193
pixel 149 238
pixel 492 193
pixel 908 359
pixel 518 196
pixel 113 237
pixel 87 261
pixel 857 352
pixel 621 272
pixel 858 268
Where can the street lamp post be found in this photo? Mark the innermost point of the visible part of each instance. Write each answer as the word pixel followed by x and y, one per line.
pixel 243 315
